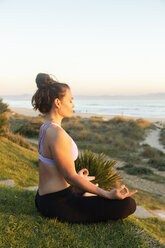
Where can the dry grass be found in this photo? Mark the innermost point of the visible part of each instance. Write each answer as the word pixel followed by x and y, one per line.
pixel 143 123
pixel 20 140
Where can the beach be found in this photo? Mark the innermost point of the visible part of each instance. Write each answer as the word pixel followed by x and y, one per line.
pixel 33 113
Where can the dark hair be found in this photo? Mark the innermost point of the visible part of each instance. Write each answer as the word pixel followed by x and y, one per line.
pixel 48 91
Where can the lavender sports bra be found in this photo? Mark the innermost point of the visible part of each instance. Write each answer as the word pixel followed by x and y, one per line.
pixel 43 129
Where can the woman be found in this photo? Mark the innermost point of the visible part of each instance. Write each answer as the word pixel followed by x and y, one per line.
pixel 57 175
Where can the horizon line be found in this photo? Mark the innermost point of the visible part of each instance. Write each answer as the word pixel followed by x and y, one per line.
pixel 91 95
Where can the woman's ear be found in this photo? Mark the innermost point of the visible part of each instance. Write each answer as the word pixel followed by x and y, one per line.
pixel 57 103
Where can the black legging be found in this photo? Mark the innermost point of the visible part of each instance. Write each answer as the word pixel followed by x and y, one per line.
pixel 67 206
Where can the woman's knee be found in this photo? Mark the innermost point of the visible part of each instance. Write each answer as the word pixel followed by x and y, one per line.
pixel 128 207
pixel 132 205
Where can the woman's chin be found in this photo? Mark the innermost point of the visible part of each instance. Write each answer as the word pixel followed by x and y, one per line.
pixel 68 116
pixel 71 114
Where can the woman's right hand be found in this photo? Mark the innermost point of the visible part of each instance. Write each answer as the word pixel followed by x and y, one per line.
pixel 117 195
pixel 84 173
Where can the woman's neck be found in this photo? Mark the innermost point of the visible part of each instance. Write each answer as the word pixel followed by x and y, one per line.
pixel 54 118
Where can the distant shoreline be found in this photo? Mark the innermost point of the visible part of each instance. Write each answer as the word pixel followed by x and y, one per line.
pixel 33 113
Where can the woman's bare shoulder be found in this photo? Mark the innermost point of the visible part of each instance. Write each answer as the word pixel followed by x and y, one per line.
pixel 56 134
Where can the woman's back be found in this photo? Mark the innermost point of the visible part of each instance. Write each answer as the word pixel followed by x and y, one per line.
pixel 50 178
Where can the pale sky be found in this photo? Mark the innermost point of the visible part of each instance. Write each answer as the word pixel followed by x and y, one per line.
pixel 96 46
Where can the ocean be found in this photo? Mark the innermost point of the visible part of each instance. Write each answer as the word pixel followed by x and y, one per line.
pixel 152 105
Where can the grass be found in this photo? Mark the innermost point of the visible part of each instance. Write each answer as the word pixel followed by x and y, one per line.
pixel 155 226
pixel 18 163
pixel 162 136
pixel 22 226
pixel 20 140
pixel 148 200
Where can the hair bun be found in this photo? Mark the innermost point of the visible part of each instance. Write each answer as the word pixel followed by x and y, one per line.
pixel 43 80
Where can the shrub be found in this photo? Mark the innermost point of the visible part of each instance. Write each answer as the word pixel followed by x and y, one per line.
pixel 98 138
pixel 144 123
pixel 31 128
pixel 127 128
pixel 96 118
pixel 117 120
pixel 139 171
pixel 3 124
pixel 72 124
pixel 84 134
pixel 157 163
pixel 128 166
pixel 139 122
pixel 100 167
pixel 162 136
pixel 151 152
pixel 78 126
pixel 3 107
pixel 16 122
pixel 120 144
pixel 3 117
pixel 133 170
pixel 95 124
pixel 20 140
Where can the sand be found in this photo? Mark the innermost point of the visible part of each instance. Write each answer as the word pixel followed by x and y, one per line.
pixel 25 111
pixel 153 140
pixel 31 112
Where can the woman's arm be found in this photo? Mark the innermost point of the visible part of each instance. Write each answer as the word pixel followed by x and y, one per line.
pixel 60 146
pixel 84 173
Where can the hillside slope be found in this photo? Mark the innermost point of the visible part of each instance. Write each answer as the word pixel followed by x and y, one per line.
pixel 18 163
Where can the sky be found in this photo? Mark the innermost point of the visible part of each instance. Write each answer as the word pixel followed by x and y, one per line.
pixel 96 46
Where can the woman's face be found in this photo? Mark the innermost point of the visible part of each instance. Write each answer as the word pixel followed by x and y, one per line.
pixel 67 105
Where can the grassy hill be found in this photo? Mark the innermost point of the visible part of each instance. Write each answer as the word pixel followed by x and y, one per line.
pixel 18 163
pixel 21 225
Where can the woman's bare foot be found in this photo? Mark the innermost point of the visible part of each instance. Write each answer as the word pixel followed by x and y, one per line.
pixel 88 194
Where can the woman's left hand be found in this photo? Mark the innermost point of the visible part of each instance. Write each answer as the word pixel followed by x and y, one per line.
pixel 117 195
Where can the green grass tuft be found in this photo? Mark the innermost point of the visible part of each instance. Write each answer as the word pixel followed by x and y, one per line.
pixel 100 167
